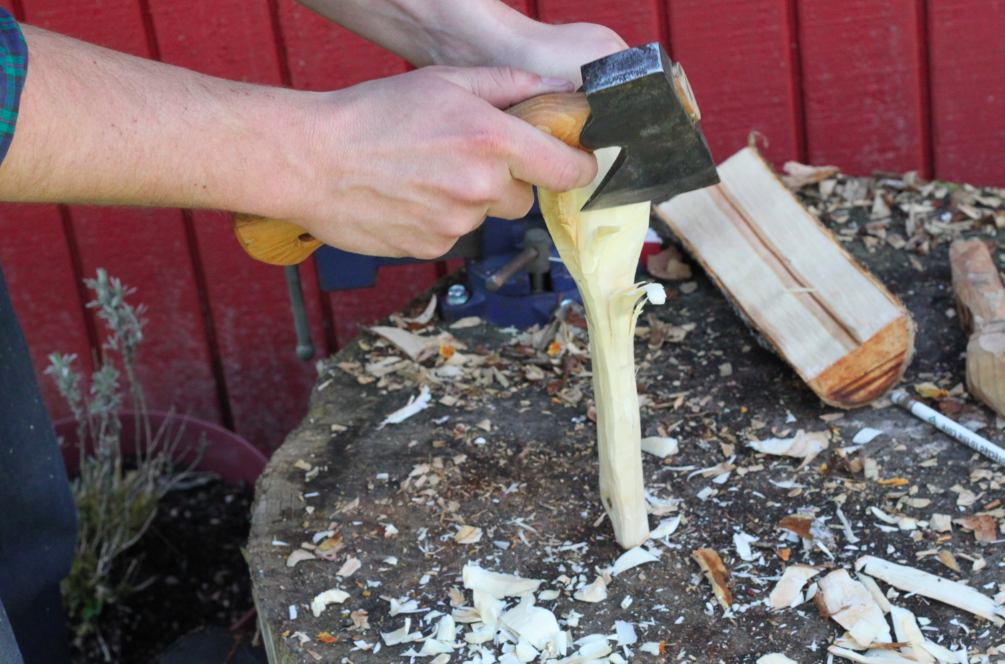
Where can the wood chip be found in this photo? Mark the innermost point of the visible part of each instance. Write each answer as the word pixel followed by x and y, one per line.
pixel 717 575
pixel 983 526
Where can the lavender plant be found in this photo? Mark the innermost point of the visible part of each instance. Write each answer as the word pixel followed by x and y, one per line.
pixel 115 504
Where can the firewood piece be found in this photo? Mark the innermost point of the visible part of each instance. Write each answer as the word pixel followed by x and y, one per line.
pixel 825 314
pixel 980 299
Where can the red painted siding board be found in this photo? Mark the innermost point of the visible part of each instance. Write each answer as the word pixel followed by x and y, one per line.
pixel 37 267
pixel 115 24
pixel 146 248
pixel 968 89
pixel 323 56
pixel 526 7
pixel 267 384
pixel 637 22
pixel 739 59
pixel 231 39
pixel 864 85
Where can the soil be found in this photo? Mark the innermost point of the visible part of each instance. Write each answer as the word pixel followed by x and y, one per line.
pixel 192 556
pixel 530 483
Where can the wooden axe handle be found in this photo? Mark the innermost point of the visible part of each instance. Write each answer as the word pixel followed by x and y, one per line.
pixel 284 243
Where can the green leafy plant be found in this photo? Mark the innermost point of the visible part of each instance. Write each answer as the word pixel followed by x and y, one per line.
pixel 116 498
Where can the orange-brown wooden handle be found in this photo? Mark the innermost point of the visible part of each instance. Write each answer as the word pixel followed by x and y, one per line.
pixel 284 243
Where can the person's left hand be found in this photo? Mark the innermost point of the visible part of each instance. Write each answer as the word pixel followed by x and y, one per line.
pixel 558 50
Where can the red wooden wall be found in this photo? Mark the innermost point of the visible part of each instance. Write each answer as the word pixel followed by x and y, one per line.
pixel 865 84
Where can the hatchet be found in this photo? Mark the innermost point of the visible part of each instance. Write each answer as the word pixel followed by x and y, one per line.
pixel 636 99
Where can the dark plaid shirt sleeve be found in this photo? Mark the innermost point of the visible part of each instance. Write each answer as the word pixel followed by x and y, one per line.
pixel 14 60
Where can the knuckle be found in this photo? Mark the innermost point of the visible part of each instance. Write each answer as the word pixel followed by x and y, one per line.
pixel 508 76
pixel 519 204
pixel 460 225
pixel 567 174
pixel 478 187
pixel 487 138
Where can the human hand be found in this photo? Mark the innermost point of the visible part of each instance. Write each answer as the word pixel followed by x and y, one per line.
pixel 403 166
pixel 556 50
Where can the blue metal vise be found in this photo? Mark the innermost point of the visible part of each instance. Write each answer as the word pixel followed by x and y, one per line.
pixel 517 298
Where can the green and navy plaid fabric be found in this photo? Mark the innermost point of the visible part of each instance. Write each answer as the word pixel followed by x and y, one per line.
pixel 14 60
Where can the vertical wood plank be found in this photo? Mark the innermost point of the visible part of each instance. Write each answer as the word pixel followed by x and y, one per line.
pixel 147 249
pixel 267 385
pixel 967 55
pixel 39 272
pixel 323 56
pixel 740 60
pixel 864 85
pixel 638 22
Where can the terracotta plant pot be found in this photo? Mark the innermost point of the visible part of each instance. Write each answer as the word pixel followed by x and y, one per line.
pixel 228 455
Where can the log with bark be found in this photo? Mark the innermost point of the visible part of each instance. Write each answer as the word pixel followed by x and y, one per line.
pixel 822 312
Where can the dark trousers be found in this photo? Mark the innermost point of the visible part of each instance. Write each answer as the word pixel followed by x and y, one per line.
pixel 38 524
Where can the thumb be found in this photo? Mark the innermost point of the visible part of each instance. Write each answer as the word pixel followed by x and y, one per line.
pixel 502 86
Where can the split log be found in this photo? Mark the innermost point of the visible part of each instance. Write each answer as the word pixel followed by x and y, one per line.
pixel 980 300
pixel 822 312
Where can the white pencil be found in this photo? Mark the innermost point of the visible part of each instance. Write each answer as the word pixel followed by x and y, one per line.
pixel 946 425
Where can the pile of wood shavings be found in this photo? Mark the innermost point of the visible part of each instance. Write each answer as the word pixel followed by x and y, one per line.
pixel 720 492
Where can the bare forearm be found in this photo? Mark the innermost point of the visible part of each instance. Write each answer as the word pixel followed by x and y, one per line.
pixel 97 126
pixel 466 33
pixel 461 33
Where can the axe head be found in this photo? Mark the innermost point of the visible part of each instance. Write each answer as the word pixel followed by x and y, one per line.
pixel 642 102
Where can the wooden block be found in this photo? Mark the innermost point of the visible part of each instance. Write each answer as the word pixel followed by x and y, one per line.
pixel 967 56
pixel 740 60
pixel 864 85
pixel 980 299
pixel 839 328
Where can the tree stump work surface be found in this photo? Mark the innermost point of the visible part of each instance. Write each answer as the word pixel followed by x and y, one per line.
pixel 528 479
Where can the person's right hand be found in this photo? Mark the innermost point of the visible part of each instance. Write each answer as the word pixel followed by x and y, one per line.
pixel 404 166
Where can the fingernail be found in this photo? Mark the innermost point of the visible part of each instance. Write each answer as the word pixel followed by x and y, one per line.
pixel 555 82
